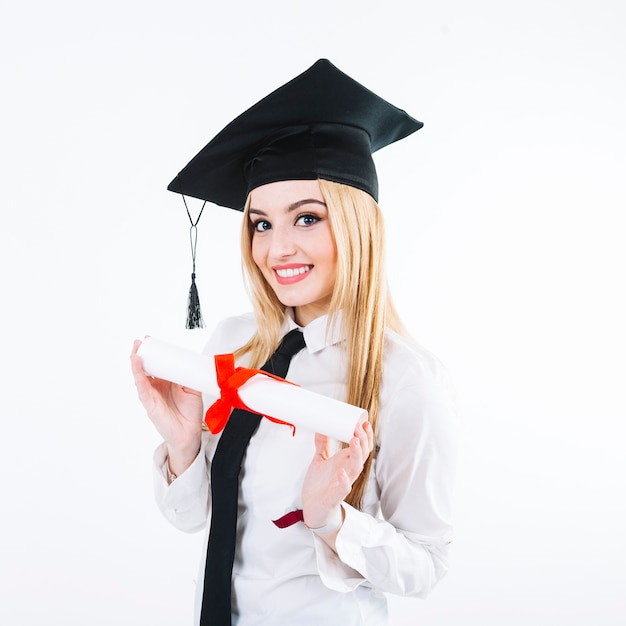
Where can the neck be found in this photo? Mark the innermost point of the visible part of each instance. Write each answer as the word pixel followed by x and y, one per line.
pixel 304 315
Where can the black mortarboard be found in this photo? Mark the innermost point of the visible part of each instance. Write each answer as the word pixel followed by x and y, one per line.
pixel 322 124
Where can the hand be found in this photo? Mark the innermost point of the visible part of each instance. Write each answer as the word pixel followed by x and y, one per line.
pixel 329 478
pixel 176 412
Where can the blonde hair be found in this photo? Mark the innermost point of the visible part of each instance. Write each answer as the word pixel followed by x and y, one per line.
pixel 360 295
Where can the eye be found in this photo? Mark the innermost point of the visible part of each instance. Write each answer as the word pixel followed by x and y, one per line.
pixel 261 226
pixel 307 220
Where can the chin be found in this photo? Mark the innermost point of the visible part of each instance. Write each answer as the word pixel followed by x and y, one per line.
pixel 293 302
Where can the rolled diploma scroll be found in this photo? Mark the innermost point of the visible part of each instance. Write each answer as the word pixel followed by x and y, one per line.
pixel 264 395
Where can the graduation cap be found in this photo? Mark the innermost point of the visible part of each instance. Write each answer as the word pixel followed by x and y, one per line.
pixel 322 124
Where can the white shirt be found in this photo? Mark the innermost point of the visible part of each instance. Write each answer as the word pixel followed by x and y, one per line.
pixel 397 544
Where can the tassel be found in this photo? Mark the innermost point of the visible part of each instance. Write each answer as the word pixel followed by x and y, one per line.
pixel 194 313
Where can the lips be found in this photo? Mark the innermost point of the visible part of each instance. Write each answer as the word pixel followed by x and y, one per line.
pixel 293 273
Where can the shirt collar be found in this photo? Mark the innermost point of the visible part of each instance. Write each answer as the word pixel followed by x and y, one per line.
pixel 318 334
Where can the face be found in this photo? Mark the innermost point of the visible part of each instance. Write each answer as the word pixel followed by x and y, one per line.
pixel 293 246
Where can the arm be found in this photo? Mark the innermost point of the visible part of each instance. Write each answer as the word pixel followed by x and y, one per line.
pixel 176 413
pixel 402 548
pixel 185 502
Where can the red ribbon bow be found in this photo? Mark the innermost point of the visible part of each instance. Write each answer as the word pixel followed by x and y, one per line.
pixel 229 380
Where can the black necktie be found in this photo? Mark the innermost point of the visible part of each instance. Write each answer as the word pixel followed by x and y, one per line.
pixel 225 467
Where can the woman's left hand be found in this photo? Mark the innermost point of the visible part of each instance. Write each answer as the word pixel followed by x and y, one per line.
pixel 329 478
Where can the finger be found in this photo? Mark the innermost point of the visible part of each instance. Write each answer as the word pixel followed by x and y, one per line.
pixel 345 483
pixel 368 442
pixel 322 443
pixel 135 360
pixel 142 382
pixel 354 460
pixel 361 434
pixel 144 385
pixel 136 345
pixel 136 366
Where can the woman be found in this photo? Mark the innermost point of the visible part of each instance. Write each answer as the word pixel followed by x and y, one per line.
pixel 375 515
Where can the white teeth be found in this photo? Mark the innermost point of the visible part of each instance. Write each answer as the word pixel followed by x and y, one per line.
pixel 288 273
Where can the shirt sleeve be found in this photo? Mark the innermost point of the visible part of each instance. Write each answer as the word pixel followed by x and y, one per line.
pixel 185 502
pixel 403 547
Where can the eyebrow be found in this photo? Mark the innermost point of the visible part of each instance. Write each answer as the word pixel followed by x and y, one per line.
pixel 291 207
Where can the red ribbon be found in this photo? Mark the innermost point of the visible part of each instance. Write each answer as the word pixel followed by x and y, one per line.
pixel 289 519
pixel 229 380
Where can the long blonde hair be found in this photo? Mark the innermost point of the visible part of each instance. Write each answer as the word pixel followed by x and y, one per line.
pixel 360 294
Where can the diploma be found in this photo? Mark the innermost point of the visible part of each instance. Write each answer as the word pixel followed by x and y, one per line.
pixel 270 397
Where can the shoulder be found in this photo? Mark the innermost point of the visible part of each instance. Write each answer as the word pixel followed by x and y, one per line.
pixel 405 362
pixel 417 394
pixel 231 333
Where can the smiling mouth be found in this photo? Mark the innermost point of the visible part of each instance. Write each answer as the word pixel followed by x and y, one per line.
pixel 290 272
pixel 288 275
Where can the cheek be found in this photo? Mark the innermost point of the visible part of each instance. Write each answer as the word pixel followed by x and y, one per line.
pixel 259 253
pixel 255 249
pixel 333 255
pixel 329 253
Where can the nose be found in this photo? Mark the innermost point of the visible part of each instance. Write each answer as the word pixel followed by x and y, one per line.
pixel 282 244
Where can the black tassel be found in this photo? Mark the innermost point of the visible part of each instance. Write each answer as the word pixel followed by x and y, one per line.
pixel 194 314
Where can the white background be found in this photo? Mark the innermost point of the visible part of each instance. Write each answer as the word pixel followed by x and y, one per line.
pixel 506 259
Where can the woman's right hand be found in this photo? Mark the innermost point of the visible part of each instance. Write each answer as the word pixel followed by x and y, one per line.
pixel 176 412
